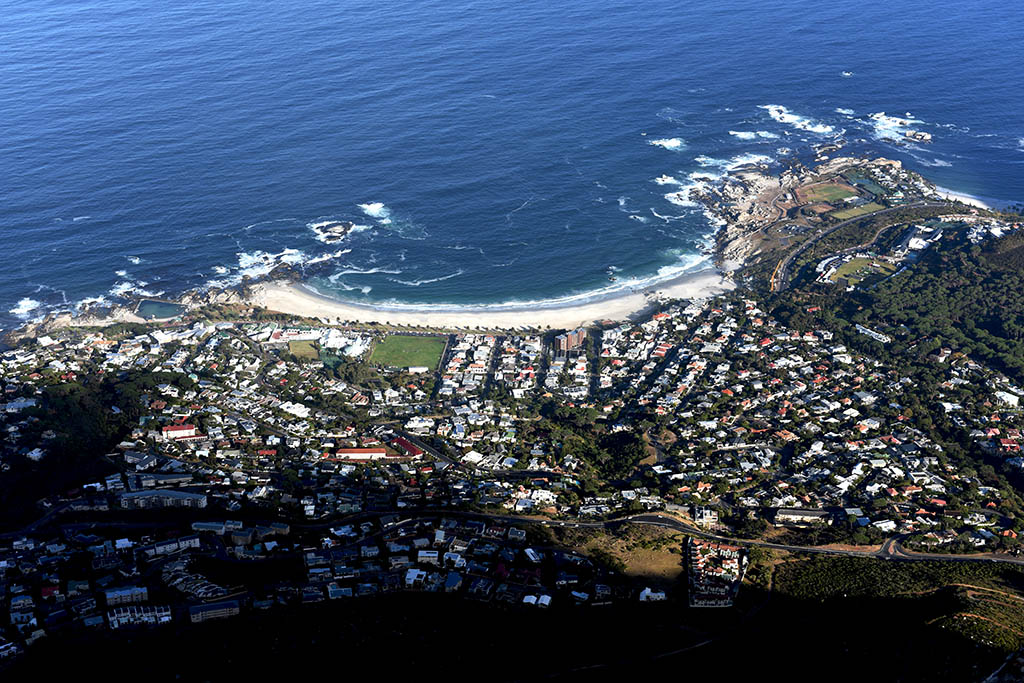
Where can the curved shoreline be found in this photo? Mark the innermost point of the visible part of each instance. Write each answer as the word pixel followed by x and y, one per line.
pixel 990 203
pixel 296 299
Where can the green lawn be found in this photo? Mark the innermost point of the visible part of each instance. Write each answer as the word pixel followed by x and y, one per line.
pixel 304 350
pixel 858 178
pixel 826 192
pixel 858 269
pixel 403 351
pixel 857 211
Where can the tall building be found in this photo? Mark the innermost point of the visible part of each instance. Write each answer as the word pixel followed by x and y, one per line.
pixel 570 340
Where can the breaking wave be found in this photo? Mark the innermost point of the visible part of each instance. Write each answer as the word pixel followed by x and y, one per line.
pixel 687 263
pixel 24 307
pixel 127 288
pixel 753 134
pixel 891 127
pixel 667 143
pixel 417 283
pixel 784 115
pixel 376 210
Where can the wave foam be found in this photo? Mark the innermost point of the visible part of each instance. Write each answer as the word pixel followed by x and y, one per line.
pixel 357 271
pixel 732 163
pixel 667 143
pixel 753 134
pixel 975 200
pixel 417 283
pixel 345 286
pixel 91 301
pixel 892 127
pixel 700 181
pixel 375 210
pixel 687 263
pixel 327 257
pixel 933 162
pixel 667 219
pixel 24 307
pixel 784 115
pixel 259 263
pixel 333 231
pixel 127 287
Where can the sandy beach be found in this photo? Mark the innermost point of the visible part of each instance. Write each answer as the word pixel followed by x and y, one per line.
pixel 294 299
pixel 971 200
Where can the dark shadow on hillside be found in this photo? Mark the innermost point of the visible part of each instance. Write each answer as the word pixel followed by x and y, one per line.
pixel 398 636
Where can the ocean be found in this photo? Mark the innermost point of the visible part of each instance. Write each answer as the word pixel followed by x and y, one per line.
pixel 489 153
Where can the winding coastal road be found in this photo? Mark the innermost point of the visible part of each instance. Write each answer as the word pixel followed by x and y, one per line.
pixel 891 549
pixel 780 277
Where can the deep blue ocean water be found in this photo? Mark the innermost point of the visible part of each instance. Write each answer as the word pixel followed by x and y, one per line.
pixel 501 151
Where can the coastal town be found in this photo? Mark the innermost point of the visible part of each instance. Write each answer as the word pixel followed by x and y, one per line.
pixel 254 461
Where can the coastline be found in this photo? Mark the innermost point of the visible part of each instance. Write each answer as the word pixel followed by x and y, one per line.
pixel 294 299
pixel 975 201
pixel 740 204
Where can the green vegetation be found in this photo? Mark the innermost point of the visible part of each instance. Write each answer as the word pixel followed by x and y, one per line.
pixel 883 230
pixel 939 610
pixel 826 192
pixel 304 350
pixel 862 179
pixel 845 214
pixel 84 427
pixel 858 269
pixel 403 351
pixel 958 295
pixel 824 577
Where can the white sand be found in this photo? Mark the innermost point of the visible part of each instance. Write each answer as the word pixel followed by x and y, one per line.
pixel 971 200
pixel 293 299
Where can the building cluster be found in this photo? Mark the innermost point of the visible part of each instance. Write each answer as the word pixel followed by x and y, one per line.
pixel 794 428
pixel 715 571
pixel 742 419
pixel 753 418
pixel 467 365
pixel 75 580
pixel 857 267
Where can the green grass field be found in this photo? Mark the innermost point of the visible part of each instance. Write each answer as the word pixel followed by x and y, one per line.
pixel 825 192
pixel 856 211
pixel 859 269
pixel 862 180
pixel 304 350
pixel 403 351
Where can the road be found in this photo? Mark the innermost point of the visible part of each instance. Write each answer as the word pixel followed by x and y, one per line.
pixel 780 278
pixel 25 530
pixel 891 549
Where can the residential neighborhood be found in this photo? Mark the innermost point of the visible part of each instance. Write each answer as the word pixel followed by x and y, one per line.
pixel 290 444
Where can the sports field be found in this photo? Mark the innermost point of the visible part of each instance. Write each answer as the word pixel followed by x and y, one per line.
pixel 305 350
pixel 403 351
pixel 825 192
pixel 857 211
pixel 858 269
